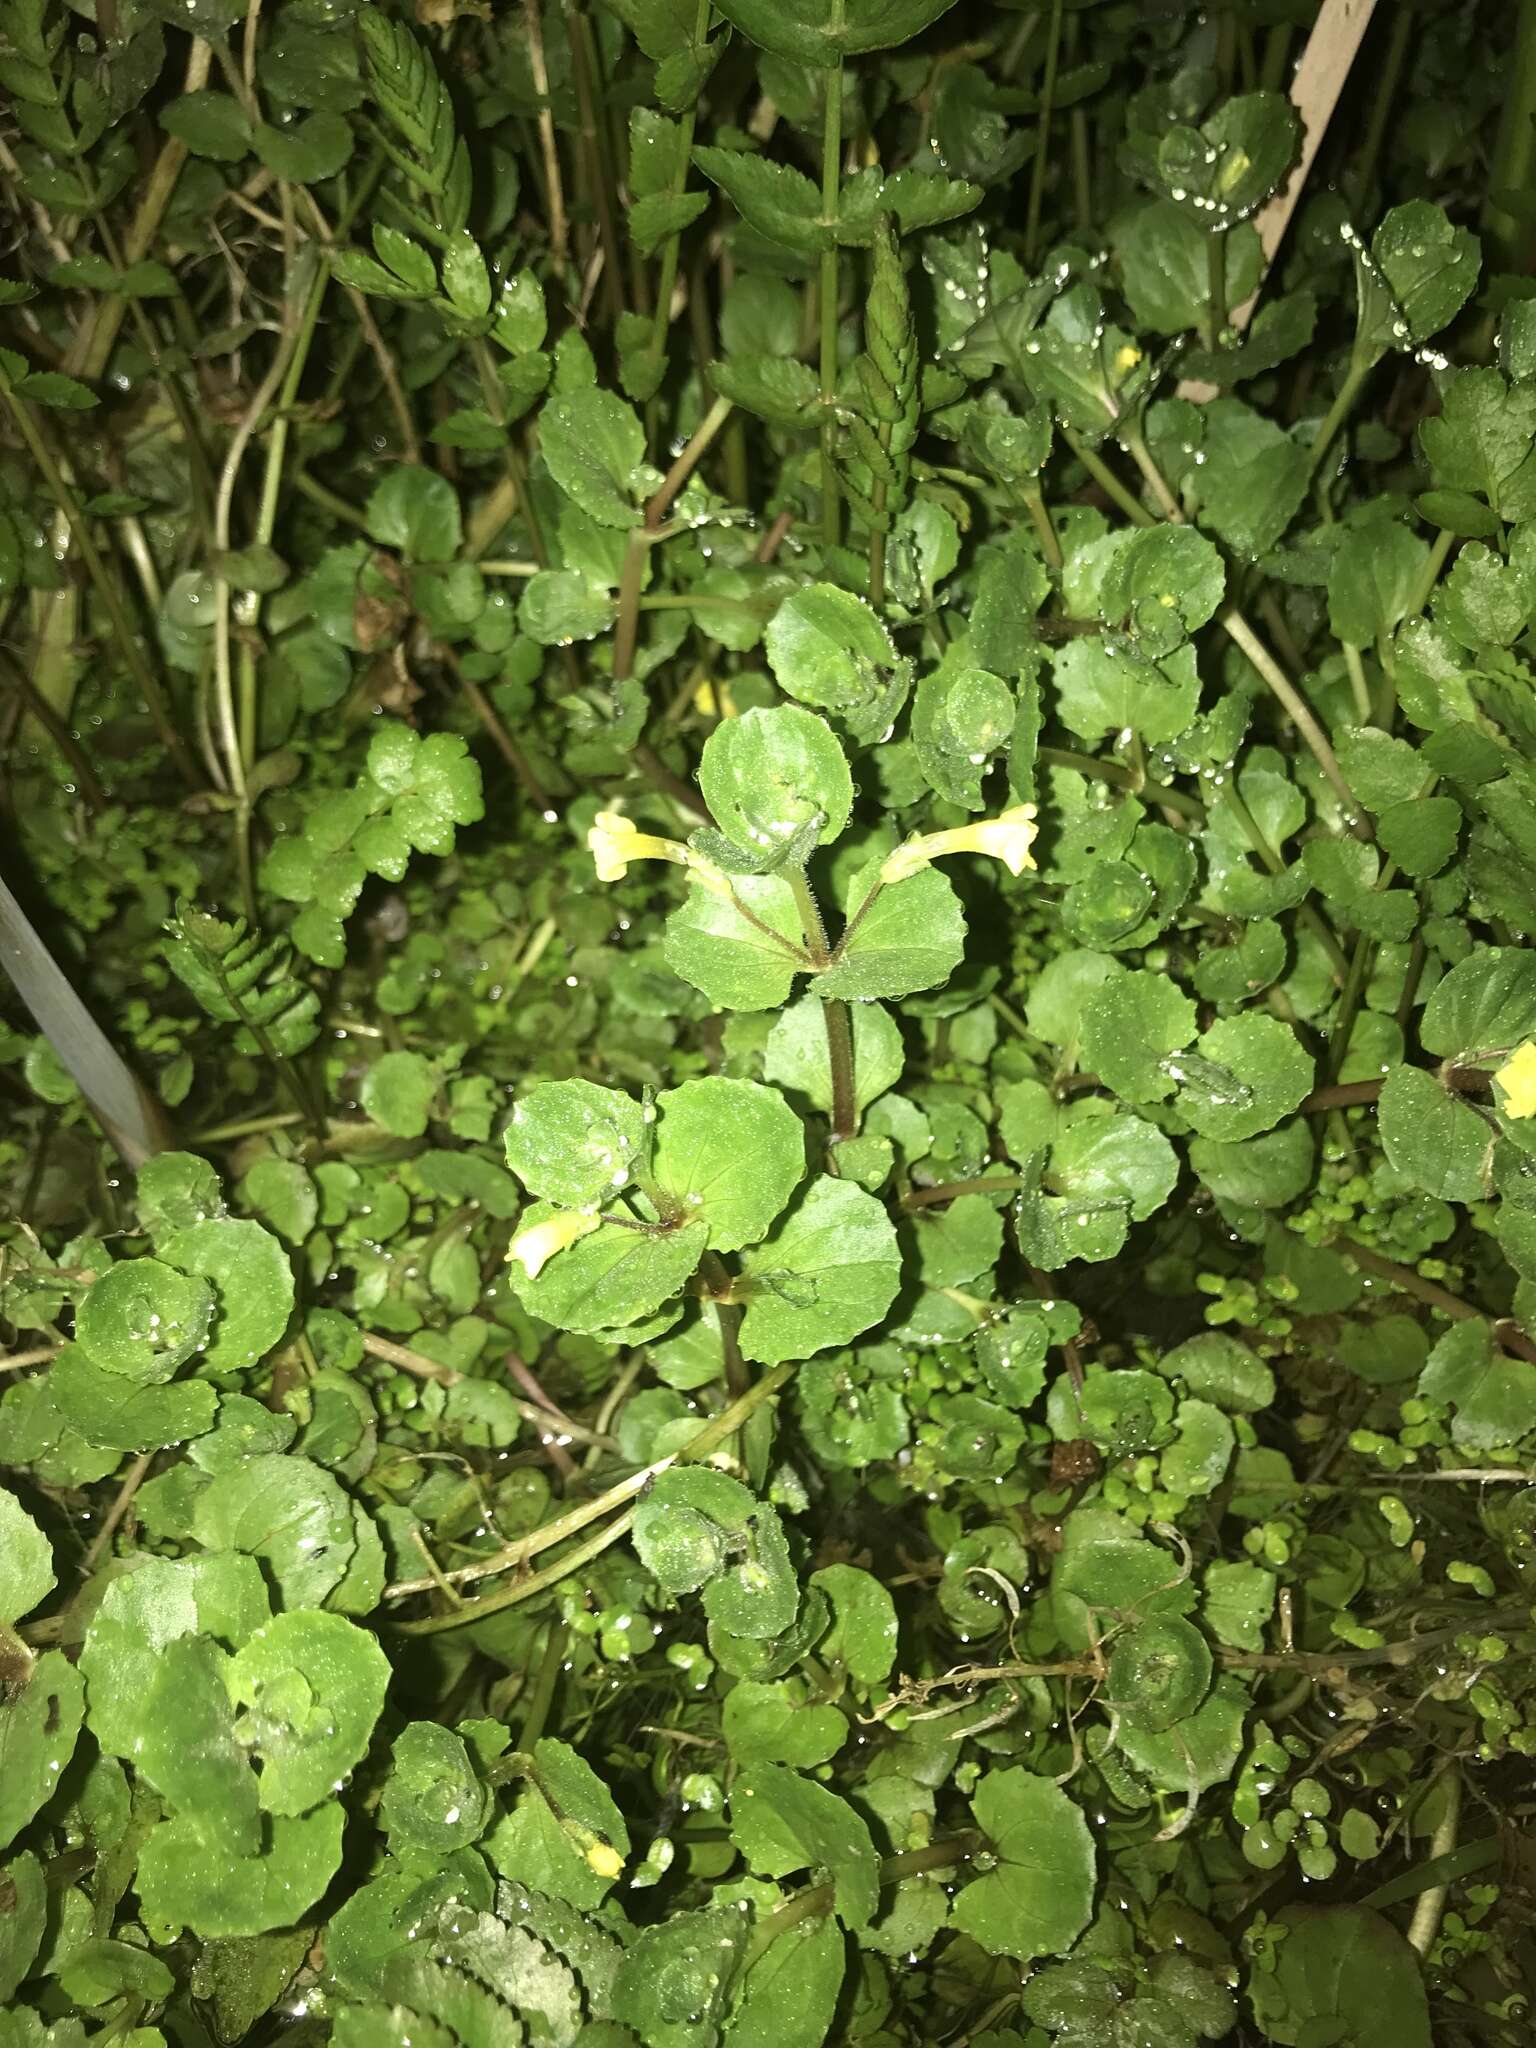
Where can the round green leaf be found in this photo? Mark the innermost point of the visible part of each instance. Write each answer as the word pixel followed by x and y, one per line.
pixel 144 1320
pixel 1131 1026
pixel 830 1270
pixel 433 1803
pixel 39 1727
pixel 611 1278
pixel 768 774
pixel 1435 1140
pixel 26 1561
pixel 1248 1073
pixel 1039 1898
pixel 729 1153
pixel 252 1284
pixel 1159 1671
pixel 398 1092
pixel 312 1686
pixel 190 1875
pixel 1341 1973
pixel 573 1142
pixel 1486 1004
pixel 796 1054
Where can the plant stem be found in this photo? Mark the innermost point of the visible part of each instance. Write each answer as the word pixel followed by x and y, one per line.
pixel 831 190
pixel 724 1425
pixel 643 537
pixel 666 285
pixel 584 72
pixel 554 188
pixel 819 1898
pixel 1338 413
pixel 1215 289
pixel 952 1190
pixel 839 1024
pixel 542 1698
pixel 1042 137
pixel 106 589
pixel 1425 1924
pixel 1040 519
pixel 1300 714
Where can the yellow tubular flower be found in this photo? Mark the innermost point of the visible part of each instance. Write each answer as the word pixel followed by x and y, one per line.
pixel 1007 838
pixel 1517 1081
pixel 534 1247
pixel 614 841
pixel 606 1862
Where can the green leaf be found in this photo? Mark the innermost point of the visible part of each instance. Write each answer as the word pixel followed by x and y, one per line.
pixel 312 1686
pixel 433 1803
pixel 594 448
pixel 287 1511
pixel 729 1154
pixel 144 1320
pixel 416 511
pixel 176 1190
pixel 740 958
pixel 1339 1973
pixel 39 1726
pixel 533 1845
pixel 789 1996
pixel 1419 274
pixel 767 776
pixel 1491 1395
pixel 310 151
pixel 22 1920
pixel 194 1876
pixel 560 605
pixel 283 1195
pixel 614 1277
pixel 398 1092
pixel 772 1724
pixel 1161 586
pixel 158 1602
pixel 1435 1140
pixel 1104 687
pixel 796 1055
pixel 1201 1751
pixel 911 936
pixel 1159 1672
pixel 677 1977
pixel 779 202
pixel 1131 1031
pixel 825 32
pixel 1483 441
pixel 123 1414
pixel 782 1822
pixel 863 1634
pixel 827 648
pixel 961 717
pixel 1485 1005
pixel 829 1271
pixel 27 1576
pixel 210 123
pixel 1224 170
pixel 187 1747
pixel 99 1971
pixel 1039 1898
pixel 1247 1074
pixel 1162 249
pixel 1239 1600
pixel 252 1283
pixel 572 1142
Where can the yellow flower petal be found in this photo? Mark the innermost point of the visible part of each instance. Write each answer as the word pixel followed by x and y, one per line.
pixel 605 1861
pixel 1517 1081
pixel 1007 838
pixel 534 1247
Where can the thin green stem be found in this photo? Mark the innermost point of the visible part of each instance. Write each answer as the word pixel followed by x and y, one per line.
pixel 542 1697
pixel 1119 493
pixel 831 190
pixel 839 1024
pixel 1338 413
pixel 1040 519
pixel 105 588
pixel 1042 136
pixel 724 1425
pixel 1215 289
pixel 819 1898
pixel 661 317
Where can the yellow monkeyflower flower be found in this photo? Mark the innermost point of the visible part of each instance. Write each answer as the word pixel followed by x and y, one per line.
pixel 534 1247
pixel 1007 838
pixel 1517 1081
pixel 614 841
pixel 1127 358
pixel 605 1861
